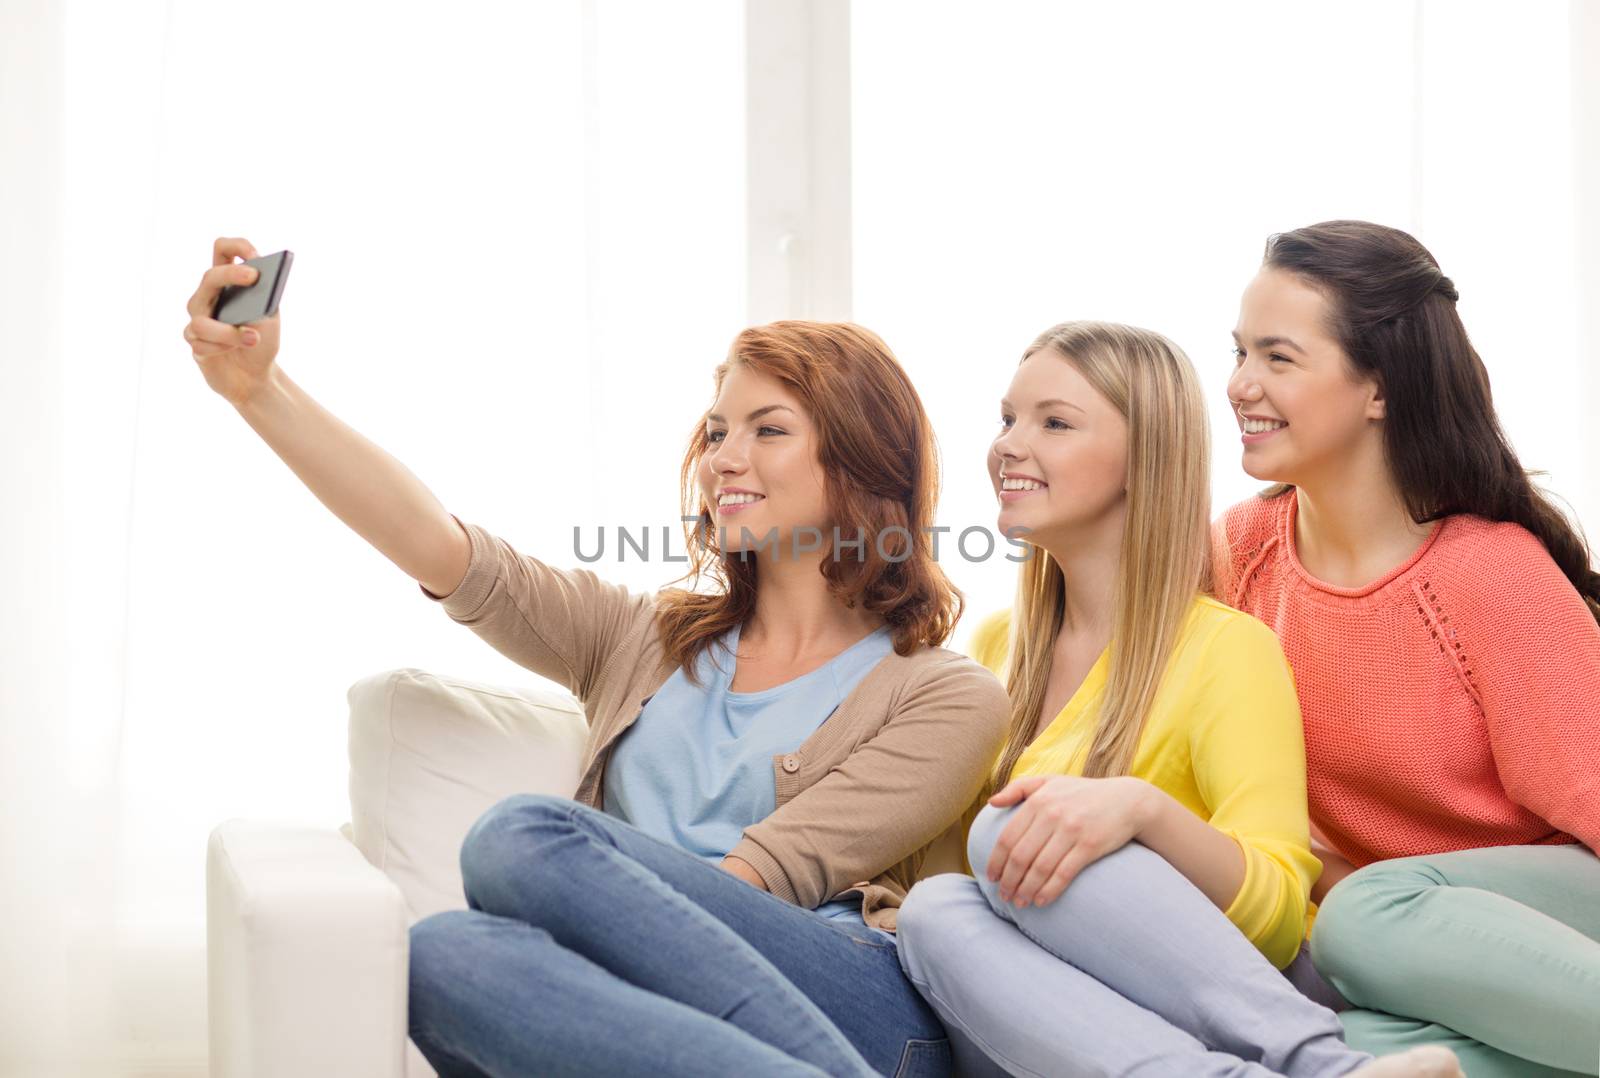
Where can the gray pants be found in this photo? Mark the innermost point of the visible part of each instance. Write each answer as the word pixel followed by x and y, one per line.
pixel 1132 971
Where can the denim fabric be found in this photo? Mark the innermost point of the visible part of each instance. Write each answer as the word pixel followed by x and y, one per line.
pixel 591 948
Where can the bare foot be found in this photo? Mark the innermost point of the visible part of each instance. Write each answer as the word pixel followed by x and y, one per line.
pixel 1429 1061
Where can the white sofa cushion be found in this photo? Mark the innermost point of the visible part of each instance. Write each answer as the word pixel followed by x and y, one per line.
pixel 429 754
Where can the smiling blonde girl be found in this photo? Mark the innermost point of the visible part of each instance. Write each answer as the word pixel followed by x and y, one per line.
pixel 1143 869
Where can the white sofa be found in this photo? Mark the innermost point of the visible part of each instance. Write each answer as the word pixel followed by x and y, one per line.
pixel 308 930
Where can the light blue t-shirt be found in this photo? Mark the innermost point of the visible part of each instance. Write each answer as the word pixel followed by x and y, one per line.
pixel 695 769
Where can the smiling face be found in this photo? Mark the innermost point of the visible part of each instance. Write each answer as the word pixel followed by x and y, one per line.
pixel 761 443
pixel 1060 462
pixel 1300 407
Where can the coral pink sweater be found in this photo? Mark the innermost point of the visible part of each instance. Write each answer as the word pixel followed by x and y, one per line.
pixel 1452 704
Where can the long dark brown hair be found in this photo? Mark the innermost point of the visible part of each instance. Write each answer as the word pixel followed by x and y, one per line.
pixel 880 471
pixel 1393 311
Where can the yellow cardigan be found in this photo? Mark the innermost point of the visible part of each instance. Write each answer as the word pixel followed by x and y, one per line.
pixel 1224 739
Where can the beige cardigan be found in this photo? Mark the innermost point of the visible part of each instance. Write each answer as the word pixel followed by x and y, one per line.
pixel 859 804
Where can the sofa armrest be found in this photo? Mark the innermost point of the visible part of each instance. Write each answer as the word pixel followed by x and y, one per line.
pixel 307 952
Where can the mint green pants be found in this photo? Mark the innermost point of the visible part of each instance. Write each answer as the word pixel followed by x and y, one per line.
pixel 1494 953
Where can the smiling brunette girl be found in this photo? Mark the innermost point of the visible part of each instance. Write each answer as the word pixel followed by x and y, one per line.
pixel 1439 613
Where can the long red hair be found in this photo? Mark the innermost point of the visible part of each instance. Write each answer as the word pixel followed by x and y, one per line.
pixel 880 475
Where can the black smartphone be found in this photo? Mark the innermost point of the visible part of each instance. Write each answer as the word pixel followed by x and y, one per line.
pixel 238 304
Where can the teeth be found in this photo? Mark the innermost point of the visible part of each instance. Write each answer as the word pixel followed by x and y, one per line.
pixel 1020 484
pixel 738 499
pixel 1261 426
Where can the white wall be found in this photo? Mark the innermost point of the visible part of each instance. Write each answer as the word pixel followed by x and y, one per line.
pixel 1041 162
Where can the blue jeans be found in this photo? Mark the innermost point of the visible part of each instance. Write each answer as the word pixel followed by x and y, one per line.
pixel 591 948
pixel 1132 970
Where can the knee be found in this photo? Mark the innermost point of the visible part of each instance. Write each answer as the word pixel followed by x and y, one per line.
pixel 1352 935
pixel 1339 924
pixel 1132 865
pixel 928 904
pixel 507 836
pixel 983 834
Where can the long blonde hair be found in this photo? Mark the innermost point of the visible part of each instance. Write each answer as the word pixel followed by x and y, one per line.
pixel 1165 555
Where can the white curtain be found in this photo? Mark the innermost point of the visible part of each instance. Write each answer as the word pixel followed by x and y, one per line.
pixel 1022 164
pixel 520 242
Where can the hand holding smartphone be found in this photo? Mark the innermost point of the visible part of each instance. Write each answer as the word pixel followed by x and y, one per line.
pixel 238 304
pixel 234 318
